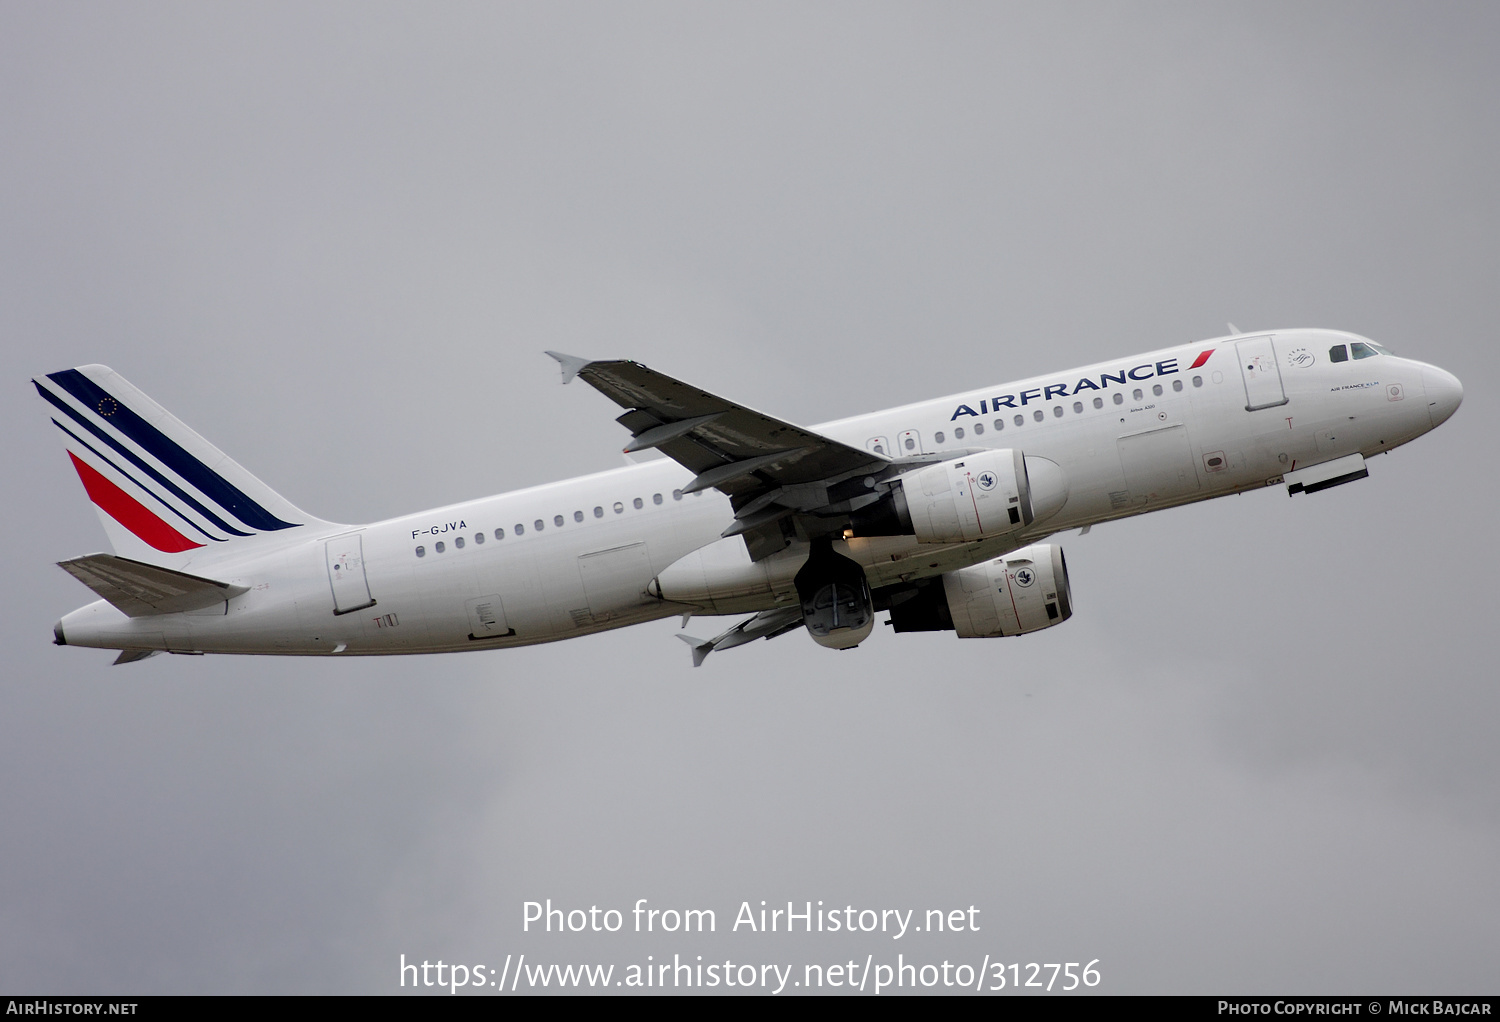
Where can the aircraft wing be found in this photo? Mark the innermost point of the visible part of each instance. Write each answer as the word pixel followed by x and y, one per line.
pixel 770 469
pixel 767 624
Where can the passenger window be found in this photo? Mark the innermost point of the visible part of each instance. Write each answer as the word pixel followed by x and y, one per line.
pixel 538 525
pixel 1197 381
pixel 1077 407
pixel 421 551
pixel 1119 399
pixel 577 516
pixel 598 512
pixel 1057 411
pixel 1177 386
pixel 438 546
pixel 1156 390
pixel 479 537
pixel 1020 419
pixel 619 508
pixel 676 494
pixel 1362 350
pixel 979 429
pixel 656 498
pixel 1098 402
pixel 458 544
pixel 1138 394
pixel 1338 353
pixel 938 436
pixel 520 529
pixel 557 520
pixel 958 433
pixel 638 503
pixel 1037 415
pixel 999 425
pixel 499 533
pixel 911 445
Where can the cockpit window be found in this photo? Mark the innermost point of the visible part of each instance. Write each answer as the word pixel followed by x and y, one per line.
pixel 1363 350
pixel 1383 349
pixel 1338 353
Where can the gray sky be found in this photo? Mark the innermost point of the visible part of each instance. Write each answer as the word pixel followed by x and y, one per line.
pixel 335 239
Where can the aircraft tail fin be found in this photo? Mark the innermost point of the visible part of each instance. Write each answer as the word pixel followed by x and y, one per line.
pixel 165 495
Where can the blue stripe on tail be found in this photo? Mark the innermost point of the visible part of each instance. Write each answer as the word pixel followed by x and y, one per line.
pixel 144 489
pixel 127 453
pixel 169 452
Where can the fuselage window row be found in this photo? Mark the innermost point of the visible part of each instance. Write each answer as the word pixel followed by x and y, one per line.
pixel 557 521
pixel 940 437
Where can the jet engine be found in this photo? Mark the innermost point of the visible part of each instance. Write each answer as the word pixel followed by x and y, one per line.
pixel 978 496
pixel 836 606
pixel 1024 591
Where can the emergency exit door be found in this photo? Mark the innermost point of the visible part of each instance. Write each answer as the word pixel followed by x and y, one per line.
pixel 346 574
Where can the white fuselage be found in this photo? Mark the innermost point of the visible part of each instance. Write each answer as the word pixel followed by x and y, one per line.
pixel 583 555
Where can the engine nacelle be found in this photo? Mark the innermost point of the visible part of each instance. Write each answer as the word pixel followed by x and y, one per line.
pixel 1022 592
pixel 979 496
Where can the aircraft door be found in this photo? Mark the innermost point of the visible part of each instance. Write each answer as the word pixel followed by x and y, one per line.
pixel 880 445
pixel 1261 373
pixel 346 573
pixel 908 443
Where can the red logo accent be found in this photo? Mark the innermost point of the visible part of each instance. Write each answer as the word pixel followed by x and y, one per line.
pixel 131 513
pixel 1202 358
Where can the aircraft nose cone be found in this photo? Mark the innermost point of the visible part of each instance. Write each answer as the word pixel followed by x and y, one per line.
pixel 1444 393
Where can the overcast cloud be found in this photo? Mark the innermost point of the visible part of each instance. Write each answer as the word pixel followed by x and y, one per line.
pixel 336 238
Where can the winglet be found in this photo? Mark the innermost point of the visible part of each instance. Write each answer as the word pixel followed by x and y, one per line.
pixel 571 365
pixel 701 649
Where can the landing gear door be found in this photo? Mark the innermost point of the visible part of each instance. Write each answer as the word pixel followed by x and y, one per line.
pixel 346 574
pixel 1261 373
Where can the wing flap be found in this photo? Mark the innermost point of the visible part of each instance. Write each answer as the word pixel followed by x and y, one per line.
pixel 139 590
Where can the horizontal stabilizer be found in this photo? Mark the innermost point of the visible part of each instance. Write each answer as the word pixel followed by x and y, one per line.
pixel 140 589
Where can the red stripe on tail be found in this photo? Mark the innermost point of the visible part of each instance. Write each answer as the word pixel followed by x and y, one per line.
pixel 129 512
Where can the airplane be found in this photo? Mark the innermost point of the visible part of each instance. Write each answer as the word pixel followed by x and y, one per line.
pixel 936 513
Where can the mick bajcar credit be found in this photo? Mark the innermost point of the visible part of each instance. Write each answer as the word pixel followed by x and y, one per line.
pixel 1376 1006
pixel 905 968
